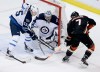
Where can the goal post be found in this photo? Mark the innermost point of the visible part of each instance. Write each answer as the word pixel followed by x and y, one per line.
pixel 23 1
pixel 55 8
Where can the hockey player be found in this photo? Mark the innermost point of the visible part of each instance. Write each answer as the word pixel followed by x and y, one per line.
pixel 47 24
pixel 78 31
pixel 19 22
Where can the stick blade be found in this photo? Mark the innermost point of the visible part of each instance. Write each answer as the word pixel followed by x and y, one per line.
pixel 42 59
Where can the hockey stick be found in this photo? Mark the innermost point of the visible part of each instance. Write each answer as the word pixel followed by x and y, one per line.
pixel 42 59
pixel 38 58
pixel 18 59
pixel 42 41
pixel 12 57
pixel 28 48
pixel 41 49
pixel 46 44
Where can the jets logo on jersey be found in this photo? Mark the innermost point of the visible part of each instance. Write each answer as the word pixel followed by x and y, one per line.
pixel 44 30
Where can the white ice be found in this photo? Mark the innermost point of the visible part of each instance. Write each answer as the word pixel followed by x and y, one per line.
pixel 54 63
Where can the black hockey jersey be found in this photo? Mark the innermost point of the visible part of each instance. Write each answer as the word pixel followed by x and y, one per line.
pixel 79 24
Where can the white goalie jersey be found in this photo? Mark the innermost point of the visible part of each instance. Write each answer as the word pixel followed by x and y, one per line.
pixel 46 29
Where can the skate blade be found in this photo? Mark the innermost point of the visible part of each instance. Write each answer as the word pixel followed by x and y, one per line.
pixel 83 65
pixel 66 61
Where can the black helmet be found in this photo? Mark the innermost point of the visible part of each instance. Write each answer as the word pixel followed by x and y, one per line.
pixel 74 14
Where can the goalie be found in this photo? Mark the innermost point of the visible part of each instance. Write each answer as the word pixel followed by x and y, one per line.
pixel 47 25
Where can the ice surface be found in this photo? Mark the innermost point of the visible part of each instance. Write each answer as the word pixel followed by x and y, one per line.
pixel 54 63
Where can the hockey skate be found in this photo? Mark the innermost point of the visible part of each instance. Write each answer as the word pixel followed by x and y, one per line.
pixel 84 61
pixel 11 57
pixel 9 54
pixel 65 59
pixel 28 49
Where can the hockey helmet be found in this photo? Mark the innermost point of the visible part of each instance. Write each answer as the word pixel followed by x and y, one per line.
pixel 48 15
pixel 33 10
pixel 25 6
pixel 74 14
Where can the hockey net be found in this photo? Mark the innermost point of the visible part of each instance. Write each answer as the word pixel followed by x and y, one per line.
pixel 56 8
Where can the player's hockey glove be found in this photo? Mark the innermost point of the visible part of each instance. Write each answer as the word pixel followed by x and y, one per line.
pixel 68 38
pixel 32 34
pixel 68 41
pixel 34 37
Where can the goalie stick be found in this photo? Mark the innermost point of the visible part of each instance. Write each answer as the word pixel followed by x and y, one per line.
pixel 13 57
pixel 42 59
pixel 36 57
pixel 42 41
pixel 41 48
pixel 46 44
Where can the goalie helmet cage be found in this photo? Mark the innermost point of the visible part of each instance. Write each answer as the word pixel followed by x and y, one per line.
pixel 45 5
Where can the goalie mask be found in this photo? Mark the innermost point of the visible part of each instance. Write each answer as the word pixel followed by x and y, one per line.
pixel 48 16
